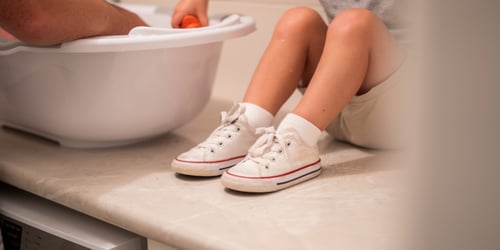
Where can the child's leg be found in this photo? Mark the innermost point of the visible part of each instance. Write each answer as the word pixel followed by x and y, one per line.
pixel 291 56
pixel 359 53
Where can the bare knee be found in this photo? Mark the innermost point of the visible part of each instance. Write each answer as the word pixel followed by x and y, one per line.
pixel 354 22
pixel 299 21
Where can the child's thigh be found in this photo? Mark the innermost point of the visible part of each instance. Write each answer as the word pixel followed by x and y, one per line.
pixel 378 118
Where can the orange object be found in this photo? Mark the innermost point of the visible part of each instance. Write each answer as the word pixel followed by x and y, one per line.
pixel 190 21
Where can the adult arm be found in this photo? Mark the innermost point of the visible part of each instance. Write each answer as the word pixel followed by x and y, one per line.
pixel 47 22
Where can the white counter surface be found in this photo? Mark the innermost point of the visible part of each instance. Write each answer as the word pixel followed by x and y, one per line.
pixel 351 205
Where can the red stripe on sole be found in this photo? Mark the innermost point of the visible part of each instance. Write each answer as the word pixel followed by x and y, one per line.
pixel 208 162
pixel 273 176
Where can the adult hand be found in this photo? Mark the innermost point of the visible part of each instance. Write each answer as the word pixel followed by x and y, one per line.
pixel 48 22
pixel 6 35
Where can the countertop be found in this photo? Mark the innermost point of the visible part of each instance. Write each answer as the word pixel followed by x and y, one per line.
pixel 353 204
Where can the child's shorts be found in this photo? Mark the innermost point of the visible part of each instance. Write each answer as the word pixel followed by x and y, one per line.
pixel 376 119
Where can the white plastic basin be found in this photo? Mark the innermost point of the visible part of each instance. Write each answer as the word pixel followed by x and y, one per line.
pixel 114 90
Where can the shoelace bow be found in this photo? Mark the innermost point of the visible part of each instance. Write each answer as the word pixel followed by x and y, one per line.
pixel 228 119
pixel 267 146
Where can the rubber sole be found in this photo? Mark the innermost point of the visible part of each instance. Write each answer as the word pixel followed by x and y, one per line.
pixel 204 168
pixel 264 184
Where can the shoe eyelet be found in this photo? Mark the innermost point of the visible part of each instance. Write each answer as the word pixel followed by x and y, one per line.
pixel 267 167
pixel 281 151
pixel 274 159
pixel 238 129
pixel 229 136
pixel 288 144
pixel 212 151
pixel 220 143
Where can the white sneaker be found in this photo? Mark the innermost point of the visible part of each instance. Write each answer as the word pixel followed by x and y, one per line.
pixel 275 161
pixel 227 145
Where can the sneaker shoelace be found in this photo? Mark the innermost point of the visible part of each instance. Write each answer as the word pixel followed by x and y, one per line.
pixel 226 129
pixel 268 147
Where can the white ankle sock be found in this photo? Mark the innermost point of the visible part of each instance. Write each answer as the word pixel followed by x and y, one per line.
pixel 257 117
pixel 306 130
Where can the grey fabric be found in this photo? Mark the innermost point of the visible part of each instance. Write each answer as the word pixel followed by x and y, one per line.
pixel 390 11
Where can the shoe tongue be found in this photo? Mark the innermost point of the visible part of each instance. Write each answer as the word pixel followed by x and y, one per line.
pixel 233 114
pixel 285 130
pixel 289 132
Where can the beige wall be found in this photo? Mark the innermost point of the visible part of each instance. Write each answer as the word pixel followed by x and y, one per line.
pixel 172 2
